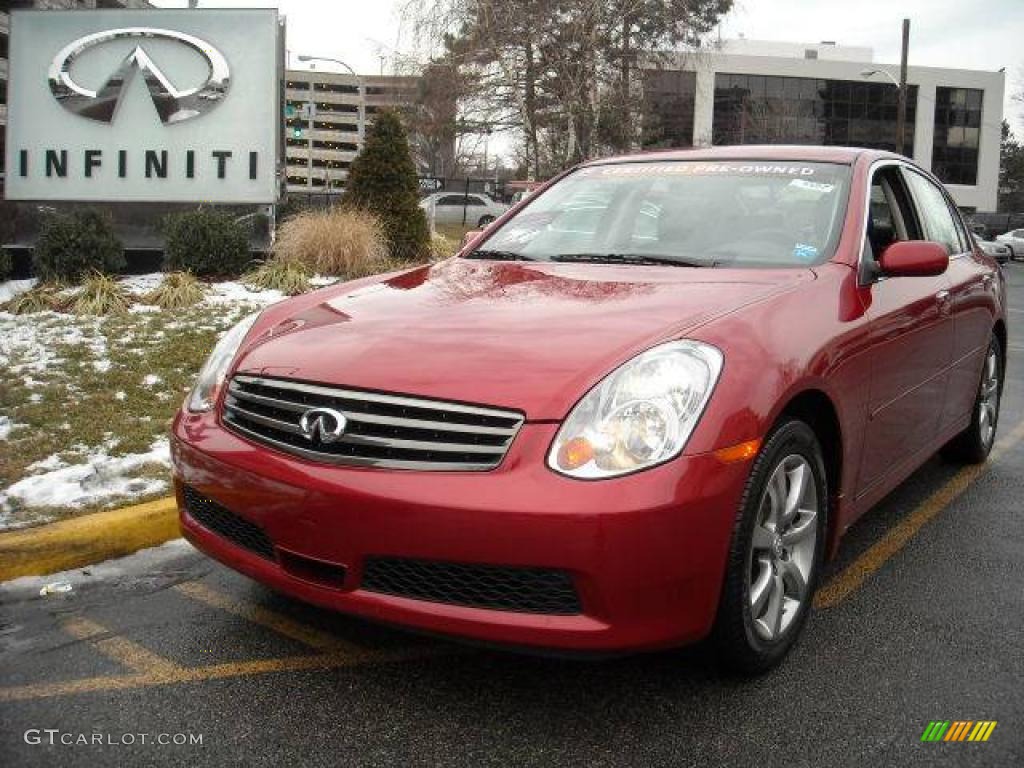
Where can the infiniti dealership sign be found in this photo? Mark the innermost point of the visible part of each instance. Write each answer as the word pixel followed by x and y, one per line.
pixel 145 106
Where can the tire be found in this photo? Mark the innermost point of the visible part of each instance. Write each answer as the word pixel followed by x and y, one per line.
pixel 745 640
pixel 974 444
pixel 484 221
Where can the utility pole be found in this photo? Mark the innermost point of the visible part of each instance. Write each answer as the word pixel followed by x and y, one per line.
pixel 901 103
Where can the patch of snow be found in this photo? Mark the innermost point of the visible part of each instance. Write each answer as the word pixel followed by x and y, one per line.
pixel 35 397
pixel 319 281
pixel 102 366
pixel 50 463
pixel 151 380
pixel 142 284
pixel 11 288
pixel 232 292
pixel 5 427
pixel 120 395
pixel 100 478
pixel 140 309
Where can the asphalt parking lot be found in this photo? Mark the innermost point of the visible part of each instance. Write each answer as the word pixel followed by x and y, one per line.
pixel 920 619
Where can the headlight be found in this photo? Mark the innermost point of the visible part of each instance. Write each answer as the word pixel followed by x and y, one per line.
pixel 211 377
pixel 640 415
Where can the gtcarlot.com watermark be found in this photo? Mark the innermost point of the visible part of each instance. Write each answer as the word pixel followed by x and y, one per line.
pixel 57 737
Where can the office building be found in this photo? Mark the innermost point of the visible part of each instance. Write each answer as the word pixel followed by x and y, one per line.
pixel 754 92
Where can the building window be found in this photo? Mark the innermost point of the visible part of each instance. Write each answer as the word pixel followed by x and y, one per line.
pixel 669 97
pixel 957 135
pixel 767 109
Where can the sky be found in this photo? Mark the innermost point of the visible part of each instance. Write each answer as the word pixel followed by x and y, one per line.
pixel 962 34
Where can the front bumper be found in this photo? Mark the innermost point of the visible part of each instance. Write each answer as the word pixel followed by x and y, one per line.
pixel 646 552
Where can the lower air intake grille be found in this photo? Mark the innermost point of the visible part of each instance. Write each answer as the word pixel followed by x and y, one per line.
pixel 225 523
pixel 504 588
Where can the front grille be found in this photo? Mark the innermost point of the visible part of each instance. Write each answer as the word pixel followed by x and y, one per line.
pixel 382 430
pixel 504 588
pixel 226 523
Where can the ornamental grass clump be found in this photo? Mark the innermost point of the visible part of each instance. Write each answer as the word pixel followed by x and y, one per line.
pixel 337 242
pixel 101 295
pixel 178 290
pixel 291 278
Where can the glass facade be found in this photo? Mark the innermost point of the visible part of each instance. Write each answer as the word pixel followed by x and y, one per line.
pixel 957 135
pixel 768 109
pixel 669 97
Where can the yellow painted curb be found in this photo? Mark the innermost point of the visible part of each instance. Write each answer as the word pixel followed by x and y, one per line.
pixel 88 539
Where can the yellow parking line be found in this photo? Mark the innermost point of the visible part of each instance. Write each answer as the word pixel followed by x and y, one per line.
pixel 120 649
pixel 199 674
pixel 854 575
pixel 315 638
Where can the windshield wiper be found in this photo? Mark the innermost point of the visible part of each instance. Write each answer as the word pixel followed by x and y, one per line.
pixel 497 255
pixel 632 258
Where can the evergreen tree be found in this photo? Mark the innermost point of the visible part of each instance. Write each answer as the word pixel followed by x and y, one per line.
pixel 383 181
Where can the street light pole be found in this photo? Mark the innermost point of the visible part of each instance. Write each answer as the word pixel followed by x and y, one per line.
pixel 901 105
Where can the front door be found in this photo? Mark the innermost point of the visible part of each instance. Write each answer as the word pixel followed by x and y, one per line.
pixel 911 341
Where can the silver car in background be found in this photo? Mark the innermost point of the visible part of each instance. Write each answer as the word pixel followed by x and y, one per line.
pixel 473 210
pixel 1014 240
pixel 997 250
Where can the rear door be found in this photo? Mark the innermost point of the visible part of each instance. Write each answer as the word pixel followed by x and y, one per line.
pixel 972 280
pixel 911 337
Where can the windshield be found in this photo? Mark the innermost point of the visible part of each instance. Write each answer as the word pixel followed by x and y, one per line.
pixel 745 214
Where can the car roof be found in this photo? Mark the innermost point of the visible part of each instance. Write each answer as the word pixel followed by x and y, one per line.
pixel 779 152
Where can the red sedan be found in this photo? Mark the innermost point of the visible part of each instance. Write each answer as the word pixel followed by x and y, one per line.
pixel 639 410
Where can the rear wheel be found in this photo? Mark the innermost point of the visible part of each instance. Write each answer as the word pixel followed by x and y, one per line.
pixel 484 221
pixel 973 445
pixel 776 552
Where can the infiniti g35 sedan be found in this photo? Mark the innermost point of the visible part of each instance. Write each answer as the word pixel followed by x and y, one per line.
pixel 639 410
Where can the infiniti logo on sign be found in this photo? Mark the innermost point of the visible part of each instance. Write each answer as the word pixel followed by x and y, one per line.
pixel 172 104
pixel 323 425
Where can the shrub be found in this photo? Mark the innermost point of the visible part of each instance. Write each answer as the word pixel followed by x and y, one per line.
pixel 177 290
pixel 45 297
pixel 289 277
pixel 72 245
pixel 340 242
pixel 383 181
pixel 101 295
pixel 206 242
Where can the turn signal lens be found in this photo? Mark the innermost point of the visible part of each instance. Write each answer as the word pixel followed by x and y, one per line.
pixel 741 452
pixel 575 453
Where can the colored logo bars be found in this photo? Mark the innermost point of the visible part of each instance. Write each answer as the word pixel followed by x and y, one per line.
pixel 959 730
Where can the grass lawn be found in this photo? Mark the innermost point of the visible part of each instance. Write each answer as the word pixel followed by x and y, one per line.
pixel 85 402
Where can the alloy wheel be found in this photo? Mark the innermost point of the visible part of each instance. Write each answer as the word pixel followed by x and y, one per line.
pixel 988 399
pixel 782 552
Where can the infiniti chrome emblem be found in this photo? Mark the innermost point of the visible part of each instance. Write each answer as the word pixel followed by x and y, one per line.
pixel 173 105
pixel 323 425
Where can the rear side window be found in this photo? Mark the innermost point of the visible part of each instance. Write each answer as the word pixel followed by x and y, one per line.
pixel 936 217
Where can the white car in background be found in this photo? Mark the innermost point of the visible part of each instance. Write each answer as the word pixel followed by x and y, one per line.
pixel 473 210
pixel 1014 240
pixel 998 251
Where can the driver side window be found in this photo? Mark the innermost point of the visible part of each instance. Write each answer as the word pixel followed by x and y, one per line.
pixel 890 217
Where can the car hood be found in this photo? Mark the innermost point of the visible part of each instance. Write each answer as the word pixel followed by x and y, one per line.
pixel 532 337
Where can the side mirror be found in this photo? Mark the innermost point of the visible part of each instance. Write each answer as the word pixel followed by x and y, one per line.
pixel 914 258
pixel 469 237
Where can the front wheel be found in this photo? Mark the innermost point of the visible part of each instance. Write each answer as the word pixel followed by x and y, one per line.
pixel 973 445
pixel 776 552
